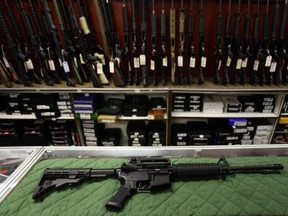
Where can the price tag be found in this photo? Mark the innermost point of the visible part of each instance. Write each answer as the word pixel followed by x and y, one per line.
pixel 228 62
pixel 81 59
pixel 29 64
pixel 180 61
pixel 66 66
pixel 239 64
pixel 268 61
pixel 142 59
pixel 152 65
pixel 75 62
pixel 165 62
pixel 256 65
pixel 273 67
pixel 111 67
pixel 51 65
pixel 99 68
pixel 136 62
pixel 6 63
pixel 244 63
pixel 192 62
pixel 203 61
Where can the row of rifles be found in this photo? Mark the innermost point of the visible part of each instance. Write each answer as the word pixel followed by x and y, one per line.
pixel 264 57
pixel 39 54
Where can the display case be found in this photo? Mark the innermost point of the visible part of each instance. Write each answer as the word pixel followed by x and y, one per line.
pixel 14 162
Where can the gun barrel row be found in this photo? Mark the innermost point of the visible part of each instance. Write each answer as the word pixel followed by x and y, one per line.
pixel 60 42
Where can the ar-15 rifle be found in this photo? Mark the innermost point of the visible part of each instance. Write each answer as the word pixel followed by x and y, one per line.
pixel 55 43
pixel 110 36
pixel 163 45
pixel 255 47
pixel 265 57
pixel 245 45
pixel 172 41
pixel 35 43
pixel 69 51
pixel 202 52
pixel 23 48
pixel 274 46
pixel 191 51
pixel 153 62
pixel 180 58
pixel 16 54
pixel 143 174
pixel 126 52
pixel 227 47
pixel 236 48
pixel 136 60
pixel 283 61
pixel 218 48
pixel 143 55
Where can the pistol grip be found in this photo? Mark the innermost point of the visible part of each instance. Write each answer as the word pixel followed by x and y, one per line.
pixel 118 200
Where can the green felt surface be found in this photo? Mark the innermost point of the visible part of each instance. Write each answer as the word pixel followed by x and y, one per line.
pixel 240 194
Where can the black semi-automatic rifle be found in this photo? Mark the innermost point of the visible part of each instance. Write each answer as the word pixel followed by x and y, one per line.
pixel 143 56
pixel 143 174
pixel 283 56
pixel 23 48
pixel 69 53
pixel 236 48
pixel 35 43
pixel 126 52
pixel 202 51
pixel 218 48
pixel 163 45
pixel 16 54
pixel 265 57
pixel 227 47
pixel 180 58
pixel 153 61
pixel 245 45
pixel 274 46
pixel 256 45
pixel 114 44
pixel 136 61
pixel 191 51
